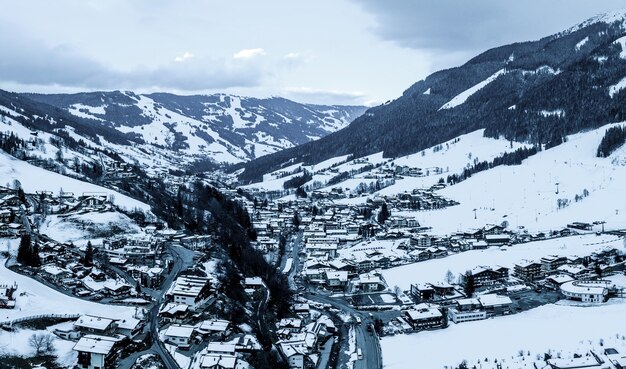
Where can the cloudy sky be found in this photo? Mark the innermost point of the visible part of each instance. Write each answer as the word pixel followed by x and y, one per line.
pixel 319 51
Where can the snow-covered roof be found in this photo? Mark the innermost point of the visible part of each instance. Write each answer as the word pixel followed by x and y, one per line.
pixel 220 361
pixel 213 325
pixel 225 347
pixel 423 313
pixel 93 322
pixel 494 300
pixel 95 344
pixel 179 330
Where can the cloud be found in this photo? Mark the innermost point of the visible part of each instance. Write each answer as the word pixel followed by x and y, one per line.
pixel 27 62
pixel 292 56
pixel 185 56
pixel 463 26
pixel 248 53
pixel 323 96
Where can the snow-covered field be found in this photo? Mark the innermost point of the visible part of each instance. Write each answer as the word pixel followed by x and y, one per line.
pixel 436 269
pixel 16 343
pixel 80 228
pixel 34 298
pixel 561 327
pixel 526 194
pixel 35 179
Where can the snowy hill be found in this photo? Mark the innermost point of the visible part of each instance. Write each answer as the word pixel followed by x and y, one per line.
pixel 225 128
pixel 589 188
pixel 535 91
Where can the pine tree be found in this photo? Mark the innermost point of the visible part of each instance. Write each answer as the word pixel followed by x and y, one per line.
pixel 35 259
pixel 296 220
pixel 88 260
pixel 21 195
pixel 469 285
pixel 383 214
pixel 24 251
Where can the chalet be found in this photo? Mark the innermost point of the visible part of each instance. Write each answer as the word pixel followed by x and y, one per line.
pixel 217 361
pixel 550 263
pixel 196 242
pixel 302 310
pixel 295 353
pixel 214 328
pixel 174 312
pixel 98 275
pixel 443 290
pixel 497 239
pixel 55 273
pixel 93 200
pixel 253 283
pixel 486 275
pixel 129 327
pixel 479 245
pixel 7 296
pixel 95 324
pixel 493 230
pixel 422 292
pixel 292 325
pixel 476 234
pixel 574 271
pixel 222 348
pixel 97 352
pixel 495 304
pixel 466 310
pixel 112 288
pixel 580 225
pixel 370 283
pixel 10 200
pixel 528 270
pixel 6 215
pixel 190 290
pixel 179 335
pixel 556 280
pixel 336 279
pixel 425 316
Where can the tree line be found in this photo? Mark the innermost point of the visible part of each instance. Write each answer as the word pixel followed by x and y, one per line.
pixel 613 139
pixel 510 158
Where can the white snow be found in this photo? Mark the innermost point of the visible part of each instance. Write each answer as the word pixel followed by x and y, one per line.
pixel 463 96
pixel 35 179
pixel 559 113
pixel 581 43
pixel 78 110
pixel 622 42
pixel 549 327
pixel 427 92
pixel 83 227
pixel 525 195
pixel 435 270
pixel 34 298
pixel 613 89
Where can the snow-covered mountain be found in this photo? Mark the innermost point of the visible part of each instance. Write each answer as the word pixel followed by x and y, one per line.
pixel 536 91
pixel 224 128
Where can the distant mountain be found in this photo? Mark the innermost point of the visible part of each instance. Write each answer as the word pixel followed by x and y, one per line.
pixel 222 128
pixel 536 92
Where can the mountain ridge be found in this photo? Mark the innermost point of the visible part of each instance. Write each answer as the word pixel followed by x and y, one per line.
pixel 225 128
pixel 543 91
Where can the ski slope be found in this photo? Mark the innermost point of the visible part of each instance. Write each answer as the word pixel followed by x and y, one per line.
pixel 526 195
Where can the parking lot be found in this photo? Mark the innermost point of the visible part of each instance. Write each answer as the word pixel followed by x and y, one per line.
pixel 530 299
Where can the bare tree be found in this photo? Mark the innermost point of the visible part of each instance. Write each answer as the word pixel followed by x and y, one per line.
pixel 42 343
pixel 398 291
pixel 449 277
